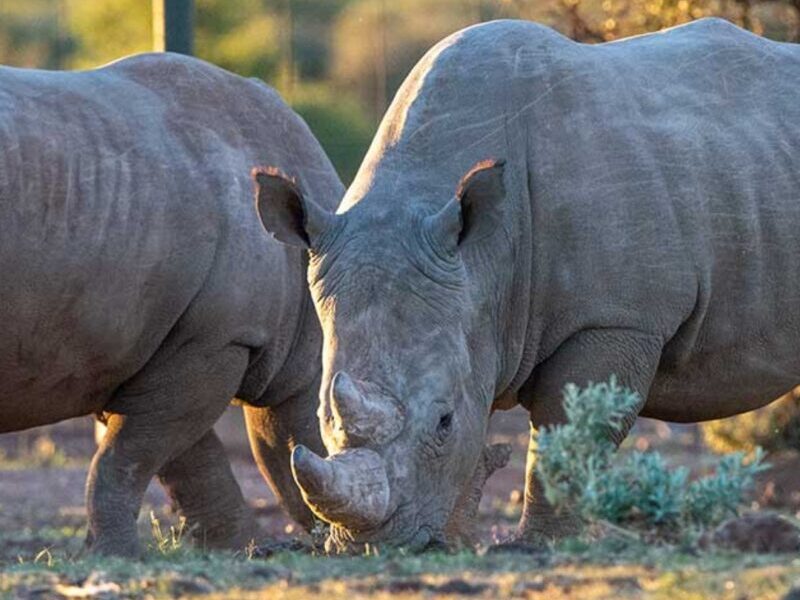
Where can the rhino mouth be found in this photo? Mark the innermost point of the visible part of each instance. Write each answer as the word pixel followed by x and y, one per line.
pixel 401 529
pixel 340 541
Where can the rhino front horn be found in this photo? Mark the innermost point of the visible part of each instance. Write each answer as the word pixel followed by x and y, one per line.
pixel 361 413
pixel 311 472
pixel 350 488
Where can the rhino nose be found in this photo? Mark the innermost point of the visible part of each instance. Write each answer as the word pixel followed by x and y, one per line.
pixel 362 414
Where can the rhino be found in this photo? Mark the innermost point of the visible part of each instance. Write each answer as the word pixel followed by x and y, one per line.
pixel 139 284
pixel 532 212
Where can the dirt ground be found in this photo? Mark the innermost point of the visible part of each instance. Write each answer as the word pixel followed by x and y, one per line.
pixel 42 483
pixel 42 475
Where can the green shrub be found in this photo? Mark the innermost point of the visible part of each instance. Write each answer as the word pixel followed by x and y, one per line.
pixel 338 123
pixel 580 471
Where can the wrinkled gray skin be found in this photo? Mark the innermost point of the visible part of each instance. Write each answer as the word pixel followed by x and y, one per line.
pixel 644 224
pixel 139 283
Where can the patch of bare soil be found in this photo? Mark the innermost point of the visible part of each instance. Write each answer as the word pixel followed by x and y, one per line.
pixel 42 479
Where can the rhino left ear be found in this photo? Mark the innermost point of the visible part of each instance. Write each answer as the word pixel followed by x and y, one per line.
pixel 285 212
pixel 476 210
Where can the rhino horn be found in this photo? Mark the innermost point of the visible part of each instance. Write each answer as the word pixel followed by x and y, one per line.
pixel 349 488
pixel 362 418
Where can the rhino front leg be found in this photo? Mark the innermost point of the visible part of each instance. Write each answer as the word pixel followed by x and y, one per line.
pixel 159 414
pixel 589 356
pixel 274 431
pixel 462 527
pixel 201 483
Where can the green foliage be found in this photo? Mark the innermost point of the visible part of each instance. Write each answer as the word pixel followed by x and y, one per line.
pixel 717 497
pixel 578 467
pixel 339 125
pixel 376 43
pixel 33 34
pixel 42 453
pixel 238 35
pixel 574 458
pixel 775 427
pixel 107 30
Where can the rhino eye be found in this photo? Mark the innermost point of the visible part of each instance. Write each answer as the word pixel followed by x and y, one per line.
pixel 445 424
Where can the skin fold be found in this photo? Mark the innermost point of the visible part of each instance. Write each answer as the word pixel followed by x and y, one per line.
pixel 140 285
pixel 534 212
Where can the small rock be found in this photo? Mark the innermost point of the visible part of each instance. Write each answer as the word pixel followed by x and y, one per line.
pixel 270 572
pixel 754 532
pixel 268 550
pixel 537 584
pixel 397 586
pixel 26 592
pixel 183 585
pixel 518 547
pixel 793 593
pixel 461 587
pixel 629 584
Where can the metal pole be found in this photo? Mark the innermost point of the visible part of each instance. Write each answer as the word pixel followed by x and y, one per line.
pixel 173 30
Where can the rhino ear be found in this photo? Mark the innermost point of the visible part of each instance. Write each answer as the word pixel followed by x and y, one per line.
pixel 285 213
pixel 476 209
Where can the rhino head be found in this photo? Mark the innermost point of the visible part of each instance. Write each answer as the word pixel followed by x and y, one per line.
pixel 401 414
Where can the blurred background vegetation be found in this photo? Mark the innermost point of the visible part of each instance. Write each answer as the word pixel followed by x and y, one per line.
pixel 339 62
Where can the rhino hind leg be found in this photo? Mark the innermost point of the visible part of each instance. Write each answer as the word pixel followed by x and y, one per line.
pixel 274 431
pixel 201 483
pixel 161 413
pixel 588 356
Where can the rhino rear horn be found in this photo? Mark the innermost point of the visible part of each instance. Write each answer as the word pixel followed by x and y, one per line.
pixel 362 417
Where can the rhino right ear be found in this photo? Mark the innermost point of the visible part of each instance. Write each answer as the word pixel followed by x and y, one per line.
pixel 285 213
pixel 475 211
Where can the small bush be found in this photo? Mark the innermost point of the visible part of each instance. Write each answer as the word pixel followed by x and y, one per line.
pixel 580 472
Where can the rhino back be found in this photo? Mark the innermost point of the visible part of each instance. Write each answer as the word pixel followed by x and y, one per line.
pixel 128 222
pixel 653 183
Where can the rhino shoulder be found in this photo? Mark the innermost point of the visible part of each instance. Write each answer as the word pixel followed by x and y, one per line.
pixel 188 76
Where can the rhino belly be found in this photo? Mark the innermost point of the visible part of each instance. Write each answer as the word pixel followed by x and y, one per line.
pixel 69 342
pixel 31 401
pixel 723 384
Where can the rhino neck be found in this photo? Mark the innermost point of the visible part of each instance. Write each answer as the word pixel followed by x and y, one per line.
pixel 501 330
pixel 288 365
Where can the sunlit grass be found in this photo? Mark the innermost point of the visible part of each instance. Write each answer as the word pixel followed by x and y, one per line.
pixel 574 569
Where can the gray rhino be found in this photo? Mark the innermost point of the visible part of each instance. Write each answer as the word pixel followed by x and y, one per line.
pixel 138 282
pixel 535 211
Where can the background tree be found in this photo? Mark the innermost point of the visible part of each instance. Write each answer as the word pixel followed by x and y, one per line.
pixel 376 42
